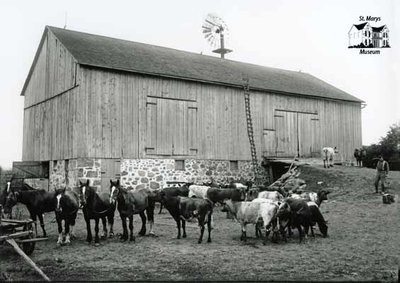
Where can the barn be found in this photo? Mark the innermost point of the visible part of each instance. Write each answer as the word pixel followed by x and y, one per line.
pixel 98 108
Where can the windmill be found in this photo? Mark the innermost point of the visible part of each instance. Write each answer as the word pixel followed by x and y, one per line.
pixel 214 28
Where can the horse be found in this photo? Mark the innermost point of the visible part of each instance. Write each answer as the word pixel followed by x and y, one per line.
pixel 67 206
pixel 130 202
pixel 36 201
pixel 4 192
pixel 96 206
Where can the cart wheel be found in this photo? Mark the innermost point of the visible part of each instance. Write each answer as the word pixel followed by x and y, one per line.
pixel 28 248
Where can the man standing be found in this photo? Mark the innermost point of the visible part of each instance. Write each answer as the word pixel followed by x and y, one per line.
pixel 382 169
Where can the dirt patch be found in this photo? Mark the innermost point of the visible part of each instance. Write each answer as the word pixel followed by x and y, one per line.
pixel 363 244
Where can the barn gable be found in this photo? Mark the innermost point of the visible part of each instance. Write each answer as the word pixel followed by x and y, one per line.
pixel 53 71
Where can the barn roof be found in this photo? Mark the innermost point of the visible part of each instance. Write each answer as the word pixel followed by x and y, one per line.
pixel 111 53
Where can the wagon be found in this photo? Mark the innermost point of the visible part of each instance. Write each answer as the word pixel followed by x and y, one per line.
pixel 19 234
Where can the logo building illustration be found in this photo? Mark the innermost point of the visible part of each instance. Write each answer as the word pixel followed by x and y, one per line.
pixel 366 36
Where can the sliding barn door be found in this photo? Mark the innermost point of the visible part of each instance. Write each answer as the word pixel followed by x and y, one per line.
pixel 297 134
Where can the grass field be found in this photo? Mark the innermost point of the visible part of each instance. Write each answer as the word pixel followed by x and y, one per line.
pixel 363 244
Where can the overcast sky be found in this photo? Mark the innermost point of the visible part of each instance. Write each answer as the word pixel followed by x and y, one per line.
pixel 310 36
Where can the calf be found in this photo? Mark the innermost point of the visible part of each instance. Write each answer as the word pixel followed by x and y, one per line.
pixel 296 214
pixel 246 212
pixel 328 154
pixel 185 208
pixel 198 191
pixel 275 196
pixel 220 195
pixel 318 197
pixel 182 190
pixel 317 218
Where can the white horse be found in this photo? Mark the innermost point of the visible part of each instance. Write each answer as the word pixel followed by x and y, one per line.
pixel 328 154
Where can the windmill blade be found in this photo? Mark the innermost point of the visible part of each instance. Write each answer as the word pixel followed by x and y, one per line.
pixel 213 28
pixel 211 23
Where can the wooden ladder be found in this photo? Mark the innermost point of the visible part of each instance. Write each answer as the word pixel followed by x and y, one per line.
pixel 250 133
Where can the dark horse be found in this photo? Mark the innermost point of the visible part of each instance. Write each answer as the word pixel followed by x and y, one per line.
pixel 130 202
pixel 37 202
pixel 67 205
pixel 96 206
pixel 7 189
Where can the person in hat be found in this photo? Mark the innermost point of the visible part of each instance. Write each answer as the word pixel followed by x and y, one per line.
pixel 382 170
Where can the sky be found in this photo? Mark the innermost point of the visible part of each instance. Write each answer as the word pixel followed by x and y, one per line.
pixel 309 36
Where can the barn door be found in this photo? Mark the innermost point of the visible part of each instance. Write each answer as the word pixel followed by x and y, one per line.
pixel 269 142
pixel 110 169
pixel 297 134
pixel 171 127
pixel 315 137
pixel 304 134
pixel 286 133
pixel 35 173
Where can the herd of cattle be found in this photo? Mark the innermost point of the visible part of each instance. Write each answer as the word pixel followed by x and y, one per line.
pixel 276 210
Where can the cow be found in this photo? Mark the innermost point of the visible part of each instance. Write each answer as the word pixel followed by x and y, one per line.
pixel 294 213
pixel 252 212
pixel 317 218
pixel 328 153
pixel 198 191
pixel 318 197
pixel 181 190
pixel 274 195
pixel 183 209
pixel 217 195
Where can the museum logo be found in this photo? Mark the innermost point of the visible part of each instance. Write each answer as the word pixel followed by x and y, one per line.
pixel 368 36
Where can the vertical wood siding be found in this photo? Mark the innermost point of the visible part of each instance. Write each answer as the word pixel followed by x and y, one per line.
pixel 54 72
pixel 115 114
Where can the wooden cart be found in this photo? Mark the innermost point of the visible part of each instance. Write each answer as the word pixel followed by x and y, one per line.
pixel 19 235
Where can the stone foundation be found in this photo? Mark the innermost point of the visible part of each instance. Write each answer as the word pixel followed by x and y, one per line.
pixel 149 173
pixel 78 169
pixel 154 173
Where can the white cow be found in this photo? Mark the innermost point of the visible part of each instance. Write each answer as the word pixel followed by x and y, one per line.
pixel 328 153
pixel 275 196
pixel 251 212
pixel 198 191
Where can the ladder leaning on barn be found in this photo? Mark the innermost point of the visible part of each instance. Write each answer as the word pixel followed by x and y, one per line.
pixel 256 169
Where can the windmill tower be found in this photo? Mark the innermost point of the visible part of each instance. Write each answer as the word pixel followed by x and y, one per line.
pixel 215 30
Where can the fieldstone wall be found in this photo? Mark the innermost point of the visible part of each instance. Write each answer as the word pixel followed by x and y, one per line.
pixel 57 174
pixel 78 169
pixel 88 169
pixel 154 173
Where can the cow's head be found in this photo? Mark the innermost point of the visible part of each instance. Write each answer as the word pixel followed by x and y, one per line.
pixel 322 195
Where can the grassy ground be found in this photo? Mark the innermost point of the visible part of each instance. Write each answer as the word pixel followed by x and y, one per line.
pixel 363 244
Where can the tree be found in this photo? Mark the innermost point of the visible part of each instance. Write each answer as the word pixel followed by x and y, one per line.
pixel 390 145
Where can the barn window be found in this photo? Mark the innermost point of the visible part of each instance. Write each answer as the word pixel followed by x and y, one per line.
pixel 233 165
pixel 180 165
pixel 171 127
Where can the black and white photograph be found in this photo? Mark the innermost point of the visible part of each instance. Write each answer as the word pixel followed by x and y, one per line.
pixel 203 140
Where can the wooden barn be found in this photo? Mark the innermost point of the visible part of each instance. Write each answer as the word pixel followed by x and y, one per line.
pixel 100 108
